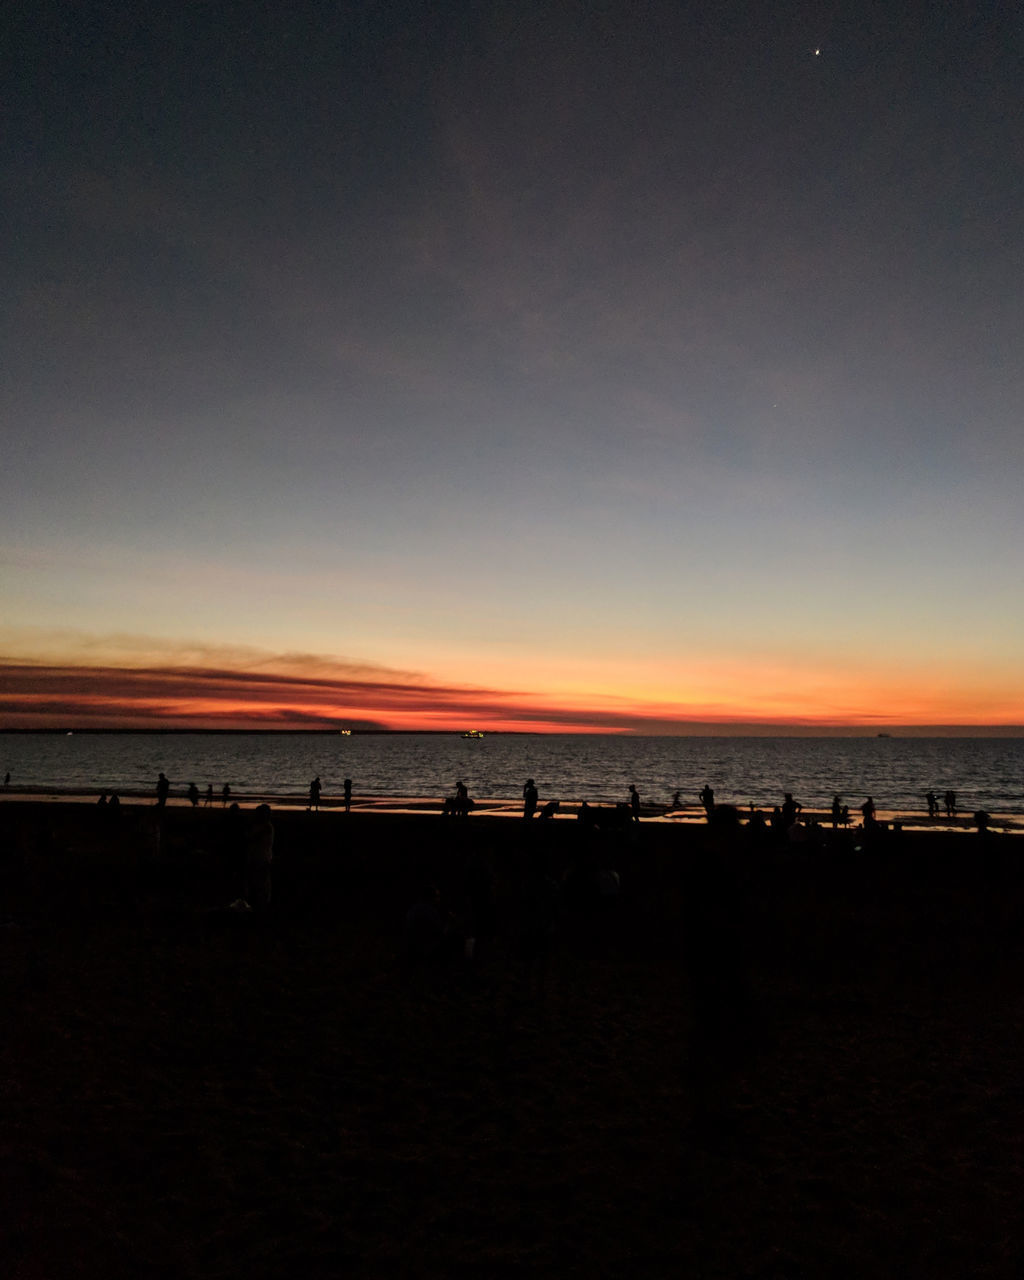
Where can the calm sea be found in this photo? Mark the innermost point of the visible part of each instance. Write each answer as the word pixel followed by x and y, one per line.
pixel 985 772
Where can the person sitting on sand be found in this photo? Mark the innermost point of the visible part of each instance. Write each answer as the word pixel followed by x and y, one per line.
pixel 549 810
pixel 259 854
pixel 529 798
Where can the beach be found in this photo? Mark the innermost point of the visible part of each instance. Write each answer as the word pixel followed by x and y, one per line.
pixel 765 1061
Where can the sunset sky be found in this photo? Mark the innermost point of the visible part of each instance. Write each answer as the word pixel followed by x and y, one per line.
pixel 616 366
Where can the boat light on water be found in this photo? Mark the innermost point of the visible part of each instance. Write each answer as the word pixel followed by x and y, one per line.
pixel 473 733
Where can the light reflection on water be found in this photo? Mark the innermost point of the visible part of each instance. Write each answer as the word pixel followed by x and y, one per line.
pixel 985 772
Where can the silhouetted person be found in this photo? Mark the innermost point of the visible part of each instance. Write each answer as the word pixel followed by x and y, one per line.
pixel 529 798
pixel 837 811
pixel 634 802
pixel 114 803
pixel 868 812
pixel 102 801
pixel 163 790
pixel 950 801
pixel 427 927
pixel 259 854
pixel 844 816
pixel 314 794
pixel 549 810
pixel 348 794
pixel 707 799
pixel 981 821
pixel 932 801
pixel 677 799
pixel 538 911
pixel 209 796
pixel 193 795
pixel 462 800
pixel 225 793
pixel 790 808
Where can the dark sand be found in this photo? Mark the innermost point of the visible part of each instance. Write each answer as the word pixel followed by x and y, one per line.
pixel 188 1092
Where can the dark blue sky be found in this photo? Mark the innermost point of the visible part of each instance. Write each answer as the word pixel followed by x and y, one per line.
pixel 353 301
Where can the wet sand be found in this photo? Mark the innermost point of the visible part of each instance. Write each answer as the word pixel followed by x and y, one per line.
pixel 187 1091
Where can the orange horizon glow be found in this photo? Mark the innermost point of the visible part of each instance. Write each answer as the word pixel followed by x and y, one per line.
pixel 335 696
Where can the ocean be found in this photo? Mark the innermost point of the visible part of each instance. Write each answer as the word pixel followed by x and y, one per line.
pixel 985 773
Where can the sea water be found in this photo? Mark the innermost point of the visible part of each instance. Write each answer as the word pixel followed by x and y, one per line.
pixel 985 773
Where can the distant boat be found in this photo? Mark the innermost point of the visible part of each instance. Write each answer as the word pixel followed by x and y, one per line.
pixel 473 733
pixel 883 735
pixel 345 733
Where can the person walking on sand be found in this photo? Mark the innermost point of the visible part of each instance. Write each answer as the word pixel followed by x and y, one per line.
pixel 314 795
pixel 348 795
pixel 707 799
pixel 225 794
pixel 529 798
pixel 259 854
pixel 634 802
pixel 932 801
pixel 163 790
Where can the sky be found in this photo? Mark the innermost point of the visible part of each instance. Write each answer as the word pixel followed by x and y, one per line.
pixel 641 367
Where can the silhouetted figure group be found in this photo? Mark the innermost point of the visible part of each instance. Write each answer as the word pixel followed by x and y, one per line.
pixel 459 805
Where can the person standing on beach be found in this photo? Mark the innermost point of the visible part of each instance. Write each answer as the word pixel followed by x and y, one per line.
pixel 868 811
pixel 314 795
pixel 790 808
pixel 209 796
pixel 634 802
pixel 837 810
pixel 461 800
pixel 950 799
pixel 529 798
pixel 348 795
pixel 259 854
pixel 932 801
pixel 707 799
pixel 225 794
pixel 163 790
pixel 193 795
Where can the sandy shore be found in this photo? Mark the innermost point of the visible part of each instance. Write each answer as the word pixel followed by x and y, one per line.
pixel 911 820
pixel 749 1063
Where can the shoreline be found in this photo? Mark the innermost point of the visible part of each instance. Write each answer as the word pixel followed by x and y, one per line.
pixel 1002 823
